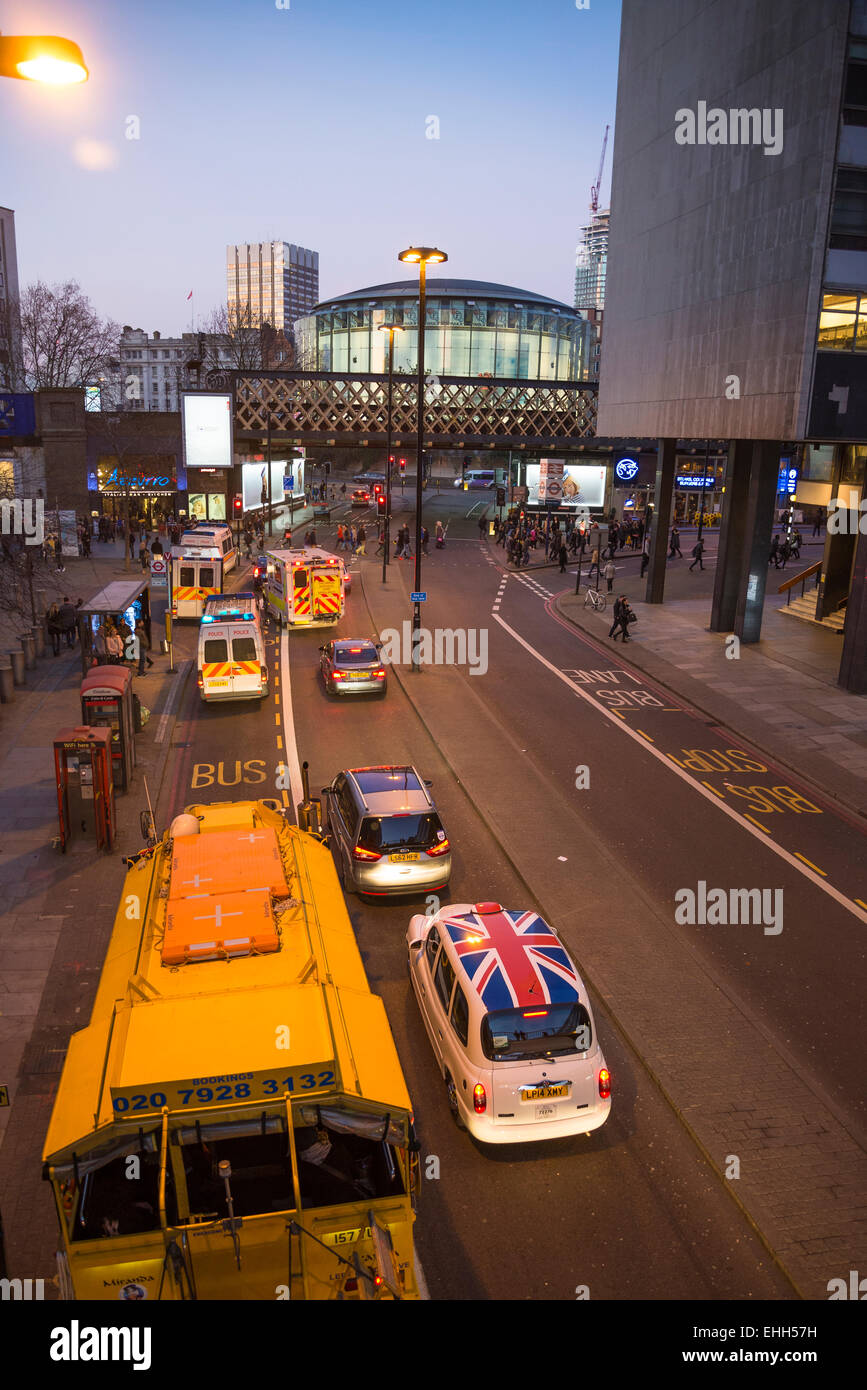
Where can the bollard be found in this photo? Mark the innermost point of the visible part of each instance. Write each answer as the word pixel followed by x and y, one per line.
pixel 28 647
pixel 17 659
pixel 7 683
pixel 39 638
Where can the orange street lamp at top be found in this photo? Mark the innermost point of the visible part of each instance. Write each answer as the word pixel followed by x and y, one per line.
pixel 43 58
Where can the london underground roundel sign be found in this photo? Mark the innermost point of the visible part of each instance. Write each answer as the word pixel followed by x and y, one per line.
pixel 625 469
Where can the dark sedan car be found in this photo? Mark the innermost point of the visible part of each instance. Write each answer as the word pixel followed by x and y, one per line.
pixel 352 666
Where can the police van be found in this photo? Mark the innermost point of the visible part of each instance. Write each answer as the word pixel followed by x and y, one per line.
pixel 231 659
pixel 234 605
pixel 198 565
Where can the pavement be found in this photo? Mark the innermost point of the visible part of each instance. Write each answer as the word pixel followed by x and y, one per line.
pixel 781 693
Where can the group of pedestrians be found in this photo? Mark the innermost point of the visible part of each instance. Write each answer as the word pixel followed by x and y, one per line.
pixel 60 620
pixel 785 548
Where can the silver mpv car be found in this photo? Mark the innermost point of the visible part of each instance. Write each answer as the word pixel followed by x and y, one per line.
pixel 386 836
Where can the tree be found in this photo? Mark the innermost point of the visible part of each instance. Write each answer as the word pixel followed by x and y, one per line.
pixel 231 340
pixel 64 342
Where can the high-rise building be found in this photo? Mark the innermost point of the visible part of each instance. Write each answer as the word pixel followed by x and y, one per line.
pixel 736 306
pixel 270 282
pixel 10 336
pixel 591 263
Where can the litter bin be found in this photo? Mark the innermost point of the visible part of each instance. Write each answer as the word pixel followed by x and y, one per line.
pixel 7 684
pixel 17 659
pixel 28 647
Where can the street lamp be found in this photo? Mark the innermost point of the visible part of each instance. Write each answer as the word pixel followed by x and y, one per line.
pixel 390 329
pixel 42 58
pixel 422 256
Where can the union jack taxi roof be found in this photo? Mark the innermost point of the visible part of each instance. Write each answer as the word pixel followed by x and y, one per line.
pixel 512 959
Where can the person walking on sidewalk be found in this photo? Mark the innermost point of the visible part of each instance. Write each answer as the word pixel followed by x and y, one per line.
pixel 645 556
pixel 563 555
pixel 609 572
pixel 55 627
pixel 674 544
pixel 425 537
pixel 362 538
pixel 697 552
pixel 144 647
pixel 622 613
pixel 67 621
pixel 483 526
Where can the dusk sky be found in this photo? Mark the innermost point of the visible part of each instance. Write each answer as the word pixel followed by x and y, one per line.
pixel 306 124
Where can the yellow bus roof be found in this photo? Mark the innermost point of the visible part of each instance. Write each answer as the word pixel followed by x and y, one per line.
pixel 205 1031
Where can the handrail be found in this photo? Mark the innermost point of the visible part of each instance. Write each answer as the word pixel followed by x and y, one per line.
pixel 805 574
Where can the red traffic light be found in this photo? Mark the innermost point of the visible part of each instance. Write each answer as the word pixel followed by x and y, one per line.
pixel 377 489
pixel 391 458
pixel 403 465
pixel 237 503
pixel 380 504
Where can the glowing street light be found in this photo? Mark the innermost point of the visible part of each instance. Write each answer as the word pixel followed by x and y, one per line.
pixel 42 58
pixel 422 256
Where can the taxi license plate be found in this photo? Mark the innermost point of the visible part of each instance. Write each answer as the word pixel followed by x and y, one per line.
pixel 401 858
pixel 545 1092
pixel 210 682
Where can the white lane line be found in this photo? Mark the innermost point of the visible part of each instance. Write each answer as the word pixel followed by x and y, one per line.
pixel 290 750
pixel 174 696
pixel 684 777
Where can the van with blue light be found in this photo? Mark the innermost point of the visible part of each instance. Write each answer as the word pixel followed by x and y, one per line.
pixel 231 659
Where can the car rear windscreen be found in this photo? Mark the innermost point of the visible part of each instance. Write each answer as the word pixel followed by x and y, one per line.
pixel 543 1030
pixel 356 656
pixel 390 833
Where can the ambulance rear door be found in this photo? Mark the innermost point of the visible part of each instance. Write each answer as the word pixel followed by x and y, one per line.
pixel 327 594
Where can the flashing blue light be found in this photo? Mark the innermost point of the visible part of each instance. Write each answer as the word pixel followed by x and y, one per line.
pixel 207 620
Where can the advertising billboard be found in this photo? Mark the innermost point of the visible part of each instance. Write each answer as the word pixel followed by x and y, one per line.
pixel 583 485
pixel 207 429
pixel 254 483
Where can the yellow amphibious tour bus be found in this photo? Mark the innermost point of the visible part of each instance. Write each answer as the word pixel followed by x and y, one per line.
pixel 234 1123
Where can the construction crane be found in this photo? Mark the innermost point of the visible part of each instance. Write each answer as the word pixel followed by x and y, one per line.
pixel 594 188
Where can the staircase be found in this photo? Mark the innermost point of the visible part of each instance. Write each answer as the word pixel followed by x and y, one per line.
pixel 805 609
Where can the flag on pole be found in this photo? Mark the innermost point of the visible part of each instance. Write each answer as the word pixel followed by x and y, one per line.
pixel 190 295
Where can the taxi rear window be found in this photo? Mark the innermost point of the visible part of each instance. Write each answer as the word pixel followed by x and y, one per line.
pixel 543 1030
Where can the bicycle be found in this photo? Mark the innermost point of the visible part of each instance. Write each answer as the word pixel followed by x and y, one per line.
pixel 593 599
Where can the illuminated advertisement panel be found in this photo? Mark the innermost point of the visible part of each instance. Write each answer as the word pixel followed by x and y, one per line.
pixel 207 429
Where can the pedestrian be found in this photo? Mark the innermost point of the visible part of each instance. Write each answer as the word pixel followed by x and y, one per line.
pixel 55 627
pixel 260 542
pixel 380 549
pixel 113 645
pixel 517 553
pixel 483 526
pixel 361 538
pixel 674 544
pixel 796 544
pixel 645 556
pixel 85 544
pixel 156 546
pixel 143 557
pixel 340 536
pixel 621 619
pixel 67 621
pixel 563 555
pixel 144 646
pixel 609 573
pixel 615 626
pixel 697 552
pixel 425 537
pixel 817 521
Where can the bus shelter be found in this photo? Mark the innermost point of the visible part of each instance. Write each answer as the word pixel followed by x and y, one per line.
pixel 124 600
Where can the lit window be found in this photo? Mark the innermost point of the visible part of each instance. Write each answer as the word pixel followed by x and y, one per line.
pixel 837 321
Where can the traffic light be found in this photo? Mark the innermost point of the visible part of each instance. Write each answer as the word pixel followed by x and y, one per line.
pixel 391 458
pixel 402 467
pixel 377 489
pixel 237 504
pixel 380 504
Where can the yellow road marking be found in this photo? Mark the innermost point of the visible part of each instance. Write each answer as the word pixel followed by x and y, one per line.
pixel 747 816
pixel 860 903
pixel 644 735
pixel 618 713
pixel 711 789
pixel 277 719
pixel 286 801
pixel 276 699
pixel 809 863
pixel 279 742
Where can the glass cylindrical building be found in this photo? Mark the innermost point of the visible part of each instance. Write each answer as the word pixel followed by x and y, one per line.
pixel 472 329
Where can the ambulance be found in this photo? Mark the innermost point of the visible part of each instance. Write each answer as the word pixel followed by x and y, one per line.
pixel 231 659
pixel 198 565
pixel 305 588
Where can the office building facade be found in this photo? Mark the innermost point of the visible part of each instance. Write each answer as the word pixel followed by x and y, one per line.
pixel 738 260
pixel 272 282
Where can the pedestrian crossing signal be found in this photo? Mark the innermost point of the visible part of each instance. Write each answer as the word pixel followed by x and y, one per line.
pixel 402 467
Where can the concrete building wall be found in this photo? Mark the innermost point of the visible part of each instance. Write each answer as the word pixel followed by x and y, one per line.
pixel 716 250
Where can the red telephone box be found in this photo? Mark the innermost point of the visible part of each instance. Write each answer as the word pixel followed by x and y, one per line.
pixel 85 786
pixel 107 699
